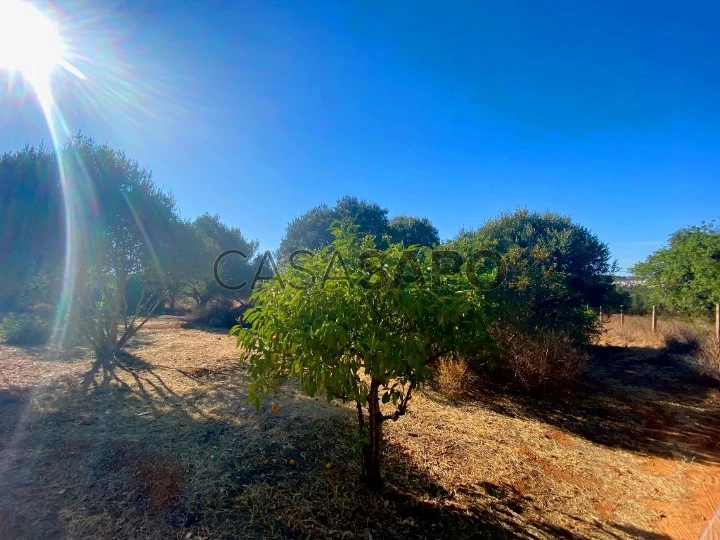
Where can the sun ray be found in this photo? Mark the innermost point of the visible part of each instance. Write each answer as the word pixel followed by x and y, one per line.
pixel 32 48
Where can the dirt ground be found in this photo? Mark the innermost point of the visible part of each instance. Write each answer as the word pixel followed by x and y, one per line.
pixel 163 444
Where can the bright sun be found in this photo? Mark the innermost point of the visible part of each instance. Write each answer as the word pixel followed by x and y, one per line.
pixel 30 43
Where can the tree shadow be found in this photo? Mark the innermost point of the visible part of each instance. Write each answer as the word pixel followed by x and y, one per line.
pixel 134 449
pixel 643 400
pixel 131 450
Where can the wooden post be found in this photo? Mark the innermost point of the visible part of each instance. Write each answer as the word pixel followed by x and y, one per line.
pixel 622 316
pixel 600 313
pixel 654 319
pixel 717 322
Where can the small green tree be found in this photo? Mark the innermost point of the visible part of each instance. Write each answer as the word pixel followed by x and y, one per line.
pixel 684 276
pixel 359 324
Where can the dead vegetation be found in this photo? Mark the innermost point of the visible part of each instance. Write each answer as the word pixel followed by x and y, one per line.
pixel 541 363
pixel 453 376
pixel 162 444
pixel 693 340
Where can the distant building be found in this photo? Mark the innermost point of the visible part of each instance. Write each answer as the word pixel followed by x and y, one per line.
pixel 625 281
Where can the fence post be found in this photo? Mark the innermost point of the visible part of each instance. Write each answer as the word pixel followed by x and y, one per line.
pixel 622 316
pixel 654 319
pixel 717 322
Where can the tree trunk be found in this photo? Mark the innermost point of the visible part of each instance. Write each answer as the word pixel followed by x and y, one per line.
pixel 372 450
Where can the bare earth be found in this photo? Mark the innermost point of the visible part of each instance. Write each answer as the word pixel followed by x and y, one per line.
pixel 162 444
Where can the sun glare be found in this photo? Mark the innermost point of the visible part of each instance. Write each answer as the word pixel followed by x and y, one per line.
pixel 30 42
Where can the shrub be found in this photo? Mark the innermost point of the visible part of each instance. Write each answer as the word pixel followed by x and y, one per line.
pixel 452 375
pixel 24 329
pixel 707 356
pixel 537 363
pixel 681 340
pixel 552 270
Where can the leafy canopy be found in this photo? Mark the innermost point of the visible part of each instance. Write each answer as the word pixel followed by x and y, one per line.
pixel 214 238
pixel 685 275
pixel 412 231
pixel 312 230
pixel 553 270
pixel 363 312
pixel 33 234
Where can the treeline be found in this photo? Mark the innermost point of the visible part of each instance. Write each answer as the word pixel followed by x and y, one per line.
pixel 89 237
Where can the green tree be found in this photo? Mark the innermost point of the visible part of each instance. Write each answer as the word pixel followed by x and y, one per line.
pixel 640 302
pixel 33 234
pixel 553 270
pixel 124 229
pixel 214 238
pixel 618 298
pixel 411 231
pixel 684 276
pixel 311 231
pixel 190 259
pixel 359 324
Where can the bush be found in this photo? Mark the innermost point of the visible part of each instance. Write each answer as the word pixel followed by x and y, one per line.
pixel 537 363
pixel 452 376
pixel 24 329
pixel 708 356
pixel 681 340
pixel 551 269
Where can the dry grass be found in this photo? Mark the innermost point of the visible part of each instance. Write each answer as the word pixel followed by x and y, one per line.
pixel 453 376
pixel 635 331
pixel 538 363
pixel 694 340
pixel 162 444
pixel 709 356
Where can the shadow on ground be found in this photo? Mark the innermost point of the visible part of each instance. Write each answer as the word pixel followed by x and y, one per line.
pixel 644 400
pixel 134 450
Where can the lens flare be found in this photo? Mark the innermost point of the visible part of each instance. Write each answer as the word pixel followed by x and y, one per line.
pixel 30 43
pixel 81 62
pixel 32 46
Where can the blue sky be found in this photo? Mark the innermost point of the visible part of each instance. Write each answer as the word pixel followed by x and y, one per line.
pixel 457 111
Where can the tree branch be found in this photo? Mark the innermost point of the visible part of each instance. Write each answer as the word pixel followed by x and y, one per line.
pixel 402 406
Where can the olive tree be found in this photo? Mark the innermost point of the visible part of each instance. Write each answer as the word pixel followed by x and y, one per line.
pixel 32 223
pixel 124 230
pixel 356 323
pixel 215 238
